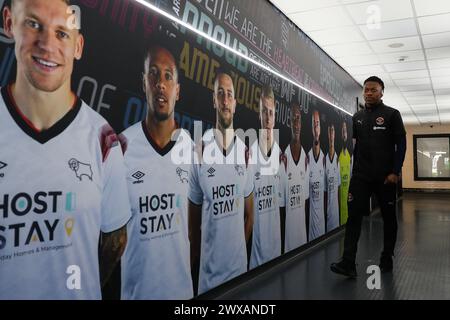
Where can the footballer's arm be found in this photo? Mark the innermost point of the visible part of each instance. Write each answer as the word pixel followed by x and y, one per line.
pixel 248 217
pixel 307 218
pixel 325 209
pixel 112 246
pixel 195 236
pixel 283 227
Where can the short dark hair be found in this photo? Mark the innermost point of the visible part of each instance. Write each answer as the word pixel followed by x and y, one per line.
pixel 66 1
pixel 151 48
pixel 375 79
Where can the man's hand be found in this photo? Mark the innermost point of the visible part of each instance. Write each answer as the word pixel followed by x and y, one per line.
pixel 112 247
pixel 392 178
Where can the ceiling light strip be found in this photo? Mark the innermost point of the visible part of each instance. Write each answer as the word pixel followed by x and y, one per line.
pixel 201 33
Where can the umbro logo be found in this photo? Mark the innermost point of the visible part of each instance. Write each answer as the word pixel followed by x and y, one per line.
pixel 211 171
pixel 138 175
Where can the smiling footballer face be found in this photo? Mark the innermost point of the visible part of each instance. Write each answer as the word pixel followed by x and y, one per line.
pixel 45 47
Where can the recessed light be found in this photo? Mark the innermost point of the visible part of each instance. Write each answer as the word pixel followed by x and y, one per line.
pixel 396 45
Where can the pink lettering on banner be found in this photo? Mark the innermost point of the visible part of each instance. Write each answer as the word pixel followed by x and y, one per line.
pixel 127 14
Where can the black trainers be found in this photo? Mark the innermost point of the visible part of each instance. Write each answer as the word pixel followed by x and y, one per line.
pixel 344 268
pixel 386 264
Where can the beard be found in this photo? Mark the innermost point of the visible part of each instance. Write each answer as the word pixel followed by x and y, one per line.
pixel 161 116
pixel 225 123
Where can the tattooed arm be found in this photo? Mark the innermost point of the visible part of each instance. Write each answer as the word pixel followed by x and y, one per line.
pixel 112 246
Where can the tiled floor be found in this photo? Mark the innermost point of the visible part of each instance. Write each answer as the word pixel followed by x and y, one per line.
pixel 421 264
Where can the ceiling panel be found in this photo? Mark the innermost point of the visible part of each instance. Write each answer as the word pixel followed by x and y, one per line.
pixel 364 60
pixel 392 29
pixel 440 85
pixel 434 24
pixel 444 107
pixel 439 63
pixel 409 74
pixel 373 69
pixel 430 7
pixel 418 93
pixel 445 80
pixel 321 19
pixel 337 35
pixel 438 53
pixel 412 120
pixel 423 107
pixel 442 91
pixel 418 32
pixel 289 6
pixel 407 56
pixel 405 66
pixel 421 99
pixel 416 81
pixel 387 9
pixel 408 44
pixel 415 87
pixel 443 99
pixel 437 39
pixel 342 50
pixel 440 72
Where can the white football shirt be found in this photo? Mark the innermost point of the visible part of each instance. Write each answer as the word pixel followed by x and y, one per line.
pixel 221 188
pixel 295 180
pixel 316 191
pixel 58 189
pixel 266 236
pixel 332 182
pixel 156 262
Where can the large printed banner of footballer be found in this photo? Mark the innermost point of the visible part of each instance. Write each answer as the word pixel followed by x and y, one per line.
pixel 180 214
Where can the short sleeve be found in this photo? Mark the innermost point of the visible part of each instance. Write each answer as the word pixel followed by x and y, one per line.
pixel 339 173
pixel 306 182
pixel 355 132
pixel 249 182
pixel 116 209
pixel 282 185
pixel 195 191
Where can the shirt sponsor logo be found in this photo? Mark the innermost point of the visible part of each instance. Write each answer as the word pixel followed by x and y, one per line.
pixel 378 128
pixel 29 219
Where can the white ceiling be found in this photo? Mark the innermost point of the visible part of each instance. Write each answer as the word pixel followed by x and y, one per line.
pixel 404 42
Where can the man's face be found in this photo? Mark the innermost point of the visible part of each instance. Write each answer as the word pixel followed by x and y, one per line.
pixel 267 113
pixel 224 101
pixel 344 131
pixel 316 126
pixel 45 47
pixel 296 124
pixel 372 92
pixel 331 135
pixel 161 83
